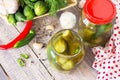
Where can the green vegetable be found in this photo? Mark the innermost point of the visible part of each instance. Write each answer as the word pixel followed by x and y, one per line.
pixel 101 30
pixel 97 40
pixel 22 4
pixel 40 8
pixel 74 48
pixel 68 65
pixel 55 5
pixel 29 3
pixel 60 45
pixel 49 48
pixel 21 62
pixel 88 33
pixel 26 40
pixel 68 54
pixel 79 57
pixel 61 60
pixel 20 17
pixel 62 3
pixel 33 0
pixel 68 36
pixel 11 19
pixel 77 50
pixel 26 56
pixel 29 13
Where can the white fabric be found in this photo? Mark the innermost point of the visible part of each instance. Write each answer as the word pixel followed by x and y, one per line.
pixel 107 60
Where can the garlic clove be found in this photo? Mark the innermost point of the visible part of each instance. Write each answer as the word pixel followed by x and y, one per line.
pixel 37 45
pixel 50 27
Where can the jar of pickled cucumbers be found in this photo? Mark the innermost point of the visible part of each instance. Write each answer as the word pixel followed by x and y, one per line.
pixel 96 22
pixel 65 50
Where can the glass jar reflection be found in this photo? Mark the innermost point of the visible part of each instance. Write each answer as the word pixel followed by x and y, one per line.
pixel 65 50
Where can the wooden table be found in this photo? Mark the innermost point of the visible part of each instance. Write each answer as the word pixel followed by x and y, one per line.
pixel 37 66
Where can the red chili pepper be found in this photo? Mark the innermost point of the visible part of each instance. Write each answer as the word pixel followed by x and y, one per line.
pixel 22 35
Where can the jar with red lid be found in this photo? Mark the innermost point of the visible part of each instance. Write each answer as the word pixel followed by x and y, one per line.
pixel 96 22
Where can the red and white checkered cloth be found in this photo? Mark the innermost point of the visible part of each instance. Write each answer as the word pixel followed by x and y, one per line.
pixel 107 59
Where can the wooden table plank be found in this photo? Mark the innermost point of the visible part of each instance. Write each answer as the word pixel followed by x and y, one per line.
pixel 40 69
pixel 3 74
pixel 8 58
pixel 83 71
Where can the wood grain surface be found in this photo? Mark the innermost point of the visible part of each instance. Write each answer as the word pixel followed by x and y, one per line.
pixel 40 69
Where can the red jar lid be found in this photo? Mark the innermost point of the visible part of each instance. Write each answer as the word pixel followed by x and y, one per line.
pixel 99 11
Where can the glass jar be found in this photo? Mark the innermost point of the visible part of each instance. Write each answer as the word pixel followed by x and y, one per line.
pixel 65 50
pixel 96 22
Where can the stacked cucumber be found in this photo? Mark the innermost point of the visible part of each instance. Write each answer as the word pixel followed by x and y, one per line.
pixel 67 44
pixel 28 9
pixel 96 34
pixel 68 51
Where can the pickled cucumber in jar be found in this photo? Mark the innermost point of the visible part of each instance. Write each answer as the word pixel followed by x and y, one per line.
pixel 65 50
pixel 96 24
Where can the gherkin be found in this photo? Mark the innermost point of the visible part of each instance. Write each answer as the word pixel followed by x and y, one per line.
pixel 20 17
pixel 60 45
pixel 29 13
pixel 11 19
pixel 40 8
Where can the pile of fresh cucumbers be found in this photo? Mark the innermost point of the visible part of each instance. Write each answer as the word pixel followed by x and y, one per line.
pixel 28 9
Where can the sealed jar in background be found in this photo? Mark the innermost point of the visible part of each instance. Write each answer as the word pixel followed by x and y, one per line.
pixel 65 50
pixel 96 22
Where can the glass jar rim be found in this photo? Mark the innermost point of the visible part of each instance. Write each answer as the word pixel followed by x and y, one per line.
pixel 67 56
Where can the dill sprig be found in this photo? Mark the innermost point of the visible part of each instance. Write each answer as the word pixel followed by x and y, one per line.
pixel 55 5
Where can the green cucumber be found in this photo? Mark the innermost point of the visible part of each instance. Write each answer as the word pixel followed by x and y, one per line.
pixel 40 8
pixel 68 65
pixel 11 19
pixel 21 3
pixel 33 0
pixel 25 56
pixel 102 29
pixel 29 3
pixel 61 60
pixel 19 16
pixel 21 62
pixel 26 40
pixel 60 45
pixel 68 36
pixel 29 13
